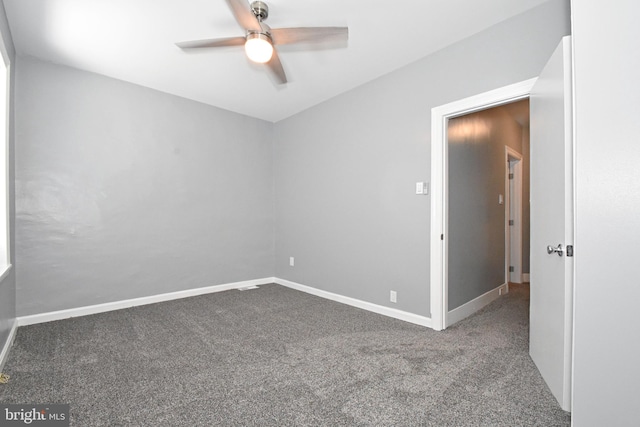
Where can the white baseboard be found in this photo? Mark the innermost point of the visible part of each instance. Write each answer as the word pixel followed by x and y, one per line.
pixel 525 278
pixel 117 305
pixel 7 345
pixel 466 310
pixel 386 311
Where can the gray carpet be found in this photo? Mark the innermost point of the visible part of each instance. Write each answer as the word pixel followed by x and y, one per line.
pixel 275 356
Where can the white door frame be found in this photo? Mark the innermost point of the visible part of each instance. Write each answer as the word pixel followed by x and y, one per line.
pixel 439 202
pixel 513 212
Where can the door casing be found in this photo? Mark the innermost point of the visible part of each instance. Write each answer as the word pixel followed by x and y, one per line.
pixel 439 187
pixel 513 212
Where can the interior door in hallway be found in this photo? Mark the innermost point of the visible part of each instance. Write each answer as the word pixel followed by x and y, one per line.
pixel 552 222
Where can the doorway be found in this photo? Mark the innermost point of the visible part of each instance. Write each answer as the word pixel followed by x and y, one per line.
pixel 516 208
pixel 441 315
pixel 484 187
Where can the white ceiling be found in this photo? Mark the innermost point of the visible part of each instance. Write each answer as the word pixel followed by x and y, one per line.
pixel 133 40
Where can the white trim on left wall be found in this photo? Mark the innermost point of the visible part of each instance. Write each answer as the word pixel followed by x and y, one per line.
pixel 4 354
pixel 117 305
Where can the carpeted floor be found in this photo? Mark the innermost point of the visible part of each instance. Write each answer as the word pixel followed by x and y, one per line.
pixel 275 356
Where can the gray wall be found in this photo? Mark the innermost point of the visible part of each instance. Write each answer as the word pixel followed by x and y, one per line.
pixel 346 169
pixel 123 191
pixel 476 178
pixel 8 285
pixel 606 345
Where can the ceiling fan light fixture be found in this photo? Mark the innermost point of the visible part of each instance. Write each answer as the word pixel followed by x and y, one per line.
pixel 259 39
pixel 258 47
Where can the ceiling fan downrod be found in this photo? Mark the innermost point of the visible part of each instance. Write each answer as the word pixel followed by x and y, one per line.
pixel 260 10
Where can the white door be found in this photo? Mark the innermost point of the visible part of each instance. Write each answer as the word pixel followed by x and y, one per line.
pixel 552 224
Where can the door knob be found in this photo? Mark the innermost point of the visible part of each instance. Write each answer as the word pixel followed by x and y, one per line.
pixel 558 250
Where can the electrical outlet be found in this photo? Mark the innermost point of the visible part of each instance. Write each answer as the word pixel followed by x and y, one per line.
pixel 393 296
pixel 292 261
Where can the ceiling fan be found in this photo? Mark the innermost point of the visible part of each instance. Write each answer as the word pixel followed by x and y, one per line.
pixel 259 39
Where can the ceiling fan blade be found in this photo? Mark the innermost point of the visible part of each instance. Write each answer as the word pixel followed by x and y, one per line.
pixel 243 14
pixel 275 66
pixel 308 34
pixel 197 44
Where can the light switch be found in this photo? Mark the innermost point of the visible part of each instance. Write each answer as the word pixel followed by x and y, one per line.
pixel 422 188
pixel 500 199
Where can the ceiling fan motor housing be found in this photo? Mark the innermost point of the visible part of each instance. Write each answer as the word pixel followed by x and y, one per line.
pixel 260 9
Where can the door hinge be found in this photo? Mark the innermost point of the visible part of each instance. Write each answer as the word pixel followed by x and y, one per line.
pixel 510 176
pixel 511 222
pixel 511 269
pixel 442 237
pixel 569 250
